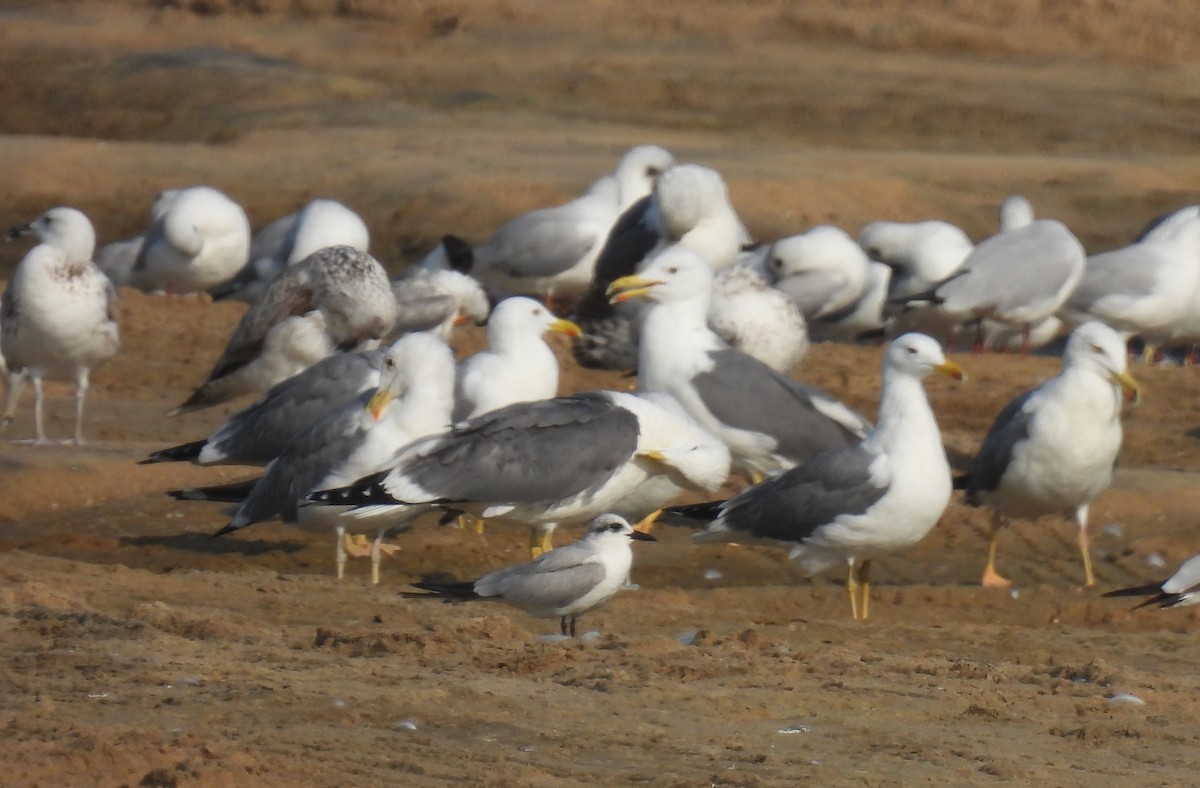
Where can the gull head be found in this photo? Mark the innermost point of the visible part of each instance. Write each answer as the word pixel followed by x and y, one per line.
pixel 521 316
pixel 1097 347
pixel 614 526
pixel 411 358
pixel 676 274
pixel 65 229
pixel 639 171
pixel 919 355
pixel 686 195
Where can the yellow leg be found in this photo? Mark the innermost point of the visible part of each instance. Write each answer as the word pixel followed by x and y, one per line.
pixel 547 540
pixel 535 542
pixel 376 558
pixel 852 590
pixel 647 522
pixel 864 589
pixel 480 523
pixel 1081 518
pixel 340 553
pixel 991 578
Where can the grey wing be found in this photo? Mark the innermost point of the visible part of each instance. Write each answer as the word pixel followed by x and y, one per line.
pixel 791 506
pixel 744 393
pixel 260 432
pixel 154 236
pixel 547 584
pixel 528 452
pixel 542 243
pixel 419 305
pixel 308 458
pixel 289 295
pixel 1010 427
pixel 1015 268
pixel 1128 272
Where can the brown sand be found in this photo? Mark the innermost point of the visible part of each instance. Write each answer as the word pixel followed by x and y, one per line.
pixel 138 651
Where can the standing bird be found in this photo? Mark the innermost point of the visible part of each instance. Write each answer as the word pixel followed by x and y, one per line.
pixel 337 298
pixel 518 365
pixel 769 421
pixel 1052 449
pixel 56 317
pixel 1179 590
pixel 851 504
pixel 200 240
pixel 563 583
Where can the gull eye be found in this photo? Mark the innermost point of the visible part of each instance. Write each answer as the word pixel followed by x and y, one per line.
pixel 910 350
pixel 653 172
pixel 777 262
pixel 673 269
pixel 1097 349
pixel 389 363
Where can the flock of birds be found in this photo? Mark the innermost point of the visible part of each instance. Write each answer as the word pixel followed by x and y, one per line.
pixel 365 422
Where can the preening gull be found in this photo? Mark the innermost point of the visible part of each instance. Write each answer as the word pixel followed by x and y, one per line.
pixel 551 252
pixel 201 240
pixel 517 365
pixel 690 208
pixel 338 298
pixel 260 432
pixel 1020 276
pixel 289 240
pixel 413 400
pixel 751 315
pixel 540 464
pixel 451 254
pixel 118 258
pixel 852 504
pixel 1147 288
pixel 437 300
pixel 565 582
pixel 56 317
pixel 867 317
pixel 1052 449
pixel 769 421
pixel 1179 590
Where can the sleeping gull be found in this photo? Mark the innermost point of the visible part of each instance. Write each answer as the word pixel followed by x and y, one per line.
pixel 118 258
pixel 56 317
pixel 852 504
pixel 289 240
pixel 540 464
pixel 437 300
pixel 769 421
pixel 565 582
pixel 517 365
pixel 823 270
pixel 199 242
pixel 413 400
pixel 1146 288
pixel 1179 590
pixel 1052 449
pixel 690 208
pixel 338 298
pixel 261 431
pixel 551 252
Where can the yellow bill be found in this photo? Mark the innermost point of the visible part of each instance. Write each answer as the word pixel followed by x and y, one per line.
pixel 379 402
pixel 566 327
pixel 629 287
pixel 1133 391
pixel 952 370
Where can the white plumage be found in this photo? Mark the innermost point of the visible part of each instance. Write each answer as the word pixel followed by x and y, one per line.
pixel 201 240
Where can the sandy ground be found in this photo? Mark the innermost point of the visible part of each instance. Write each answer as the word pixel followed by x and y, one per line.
pixel 136 650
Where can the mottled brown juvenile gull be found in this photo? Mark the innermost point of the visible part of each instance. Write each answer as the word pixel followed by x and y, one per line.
pixel 338 298
pixel 755 317
pixel 852 504
pixel 565 582
pixel 1179 590
pixel 56 316
pixel 769 421
pixel 1052 449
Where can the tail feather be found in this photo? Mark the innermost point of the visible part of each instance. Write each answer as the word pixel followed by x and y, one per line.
pixel 235 492
pixel 184 452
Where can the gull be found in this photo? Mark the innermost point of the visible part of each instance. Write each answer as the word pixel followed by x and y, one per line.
pixel 756 318
pixel 1052 449
pixel 1147 288
pixel 823 270
pixel 517 365
pixel 769 421
pixel 540 464
pixel 851 504
pixel 289 240
pixel 437 300
pixel 551 252
pixel 689 208
pixel 201 240
pixel 1179 590
pixel 413 400
pixel 57 315
pixel 337 298
pixel 117 259
pixel 261 431
pixel 565 582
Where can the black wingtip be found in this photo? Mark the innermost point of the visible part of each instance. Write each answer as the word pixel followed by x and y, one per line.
pixel 459 253
pixel 184 452
pixel 691 515
pixel 961 481
pixel 228 529
pixel 364 492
